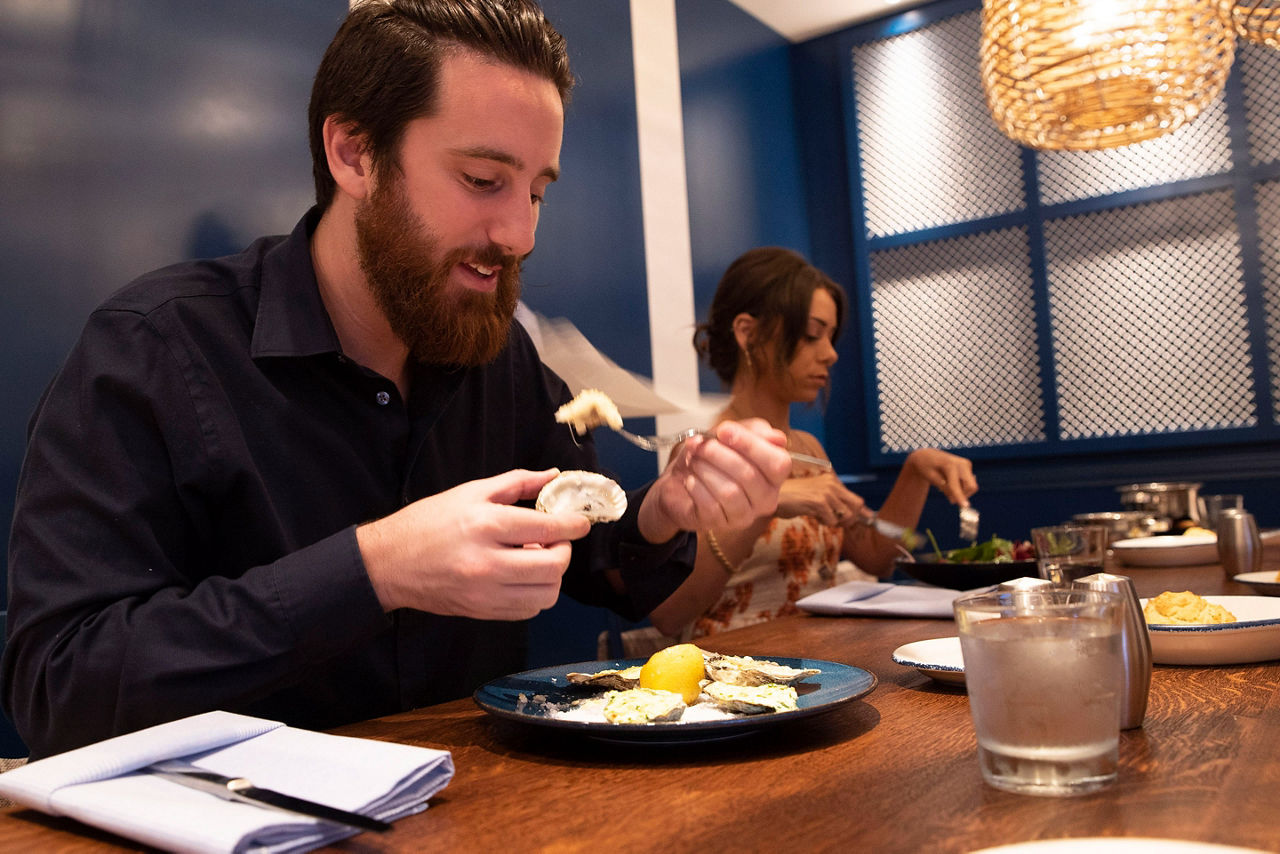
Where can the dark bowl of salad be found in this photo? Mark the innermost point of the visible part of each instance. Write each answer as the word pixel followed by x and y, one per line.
pixel 977 565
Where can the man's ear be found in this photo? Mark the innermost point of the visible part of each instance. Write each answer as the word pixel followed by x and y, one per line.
pixel 349 164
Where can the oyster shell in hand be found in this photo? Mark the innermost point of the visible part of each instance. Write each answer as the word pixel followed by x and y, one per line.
pixel 617 679
pixel 590 408
pixel 745 670
pixel 642 706
pixel 752 699
pixel 593 495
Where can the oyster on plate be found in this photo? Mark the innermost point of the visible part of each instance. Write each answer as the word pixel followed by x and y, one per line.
pixel 590 408
pixel 752 699
pixel 642 706
pixel 745 670
pixel 628 677
pixel 593 495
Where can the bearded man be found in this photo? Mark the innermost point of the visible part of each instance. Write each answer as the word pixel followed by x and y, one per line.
pixel 294 482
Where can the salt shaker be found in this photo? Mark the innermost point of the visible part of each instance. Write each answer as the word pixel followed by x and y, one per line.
pixel 1024 583
pixel 1135 646
pixel 1239 546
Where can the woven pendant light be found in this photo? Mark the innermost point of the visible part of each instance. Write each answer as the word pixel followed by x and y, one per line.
pixel 1089 74
pixel 1258 21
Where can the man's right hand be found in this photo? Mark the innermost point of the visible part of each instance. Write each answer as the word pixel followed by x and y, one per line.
pixel 467 552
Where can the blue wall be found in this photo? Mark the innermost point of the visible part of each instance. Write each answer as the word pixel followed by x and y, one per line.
pixel 589 262
pixel 137 133
pixel 742 152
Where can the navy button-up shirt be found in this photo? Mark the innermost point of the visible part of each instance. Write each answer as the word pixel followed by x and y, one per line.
pixel 184 532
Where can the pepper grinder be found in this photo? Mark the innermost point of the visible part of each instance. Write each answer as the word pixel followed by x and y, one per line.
pixel 1239 545
pixel 1135 646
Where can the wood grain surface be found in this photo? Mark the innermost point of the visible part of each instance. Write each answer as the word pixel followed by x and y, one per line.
pixel 895 771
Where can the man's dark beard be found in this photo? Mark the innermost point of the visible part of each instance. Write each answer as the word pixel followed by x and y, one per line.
pixel 410 284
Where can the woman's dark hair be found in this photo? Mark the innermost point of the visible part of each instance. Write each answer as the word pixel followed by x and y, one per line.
pixel 776 287
pixel 381 70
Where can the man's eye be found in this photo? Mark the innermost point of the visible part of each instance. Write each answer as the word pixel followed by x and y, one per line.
pixel 478 183
pixel 537 199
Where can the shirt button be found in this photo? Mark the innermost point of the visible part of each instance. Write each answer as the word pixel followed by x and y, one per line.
pixel 383 398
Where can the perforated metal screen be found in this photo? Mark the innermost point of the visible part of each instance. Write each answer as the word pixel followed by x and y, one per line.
pixel 1148 304
pixel 955 338
pixel 1148 318
pixel 1202 147
pixel 926 139
pixel 1259 69
pixel 1268 196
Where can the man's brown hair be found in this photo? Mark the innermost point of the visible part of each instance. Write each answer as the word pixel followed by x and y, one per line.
pixel 381 70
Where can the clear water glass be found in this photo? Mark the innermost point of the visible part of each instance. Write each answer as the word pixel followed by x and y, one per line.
pixel 1044 672
pixel 1065 553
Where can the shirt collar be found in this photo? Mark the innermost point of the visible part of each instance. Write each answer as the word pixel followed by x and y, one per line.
pixel 292 320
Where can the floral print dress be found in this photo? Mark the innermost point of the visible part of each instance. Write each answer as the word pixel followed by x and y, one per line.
pixel 793 558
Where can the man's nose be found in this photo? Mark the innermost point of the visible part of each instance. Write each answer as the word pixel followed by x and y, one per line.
pixel 513 226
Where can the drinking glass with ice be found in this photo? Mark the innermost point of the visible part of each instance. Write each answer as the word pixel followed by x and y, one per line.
pixel 1043 668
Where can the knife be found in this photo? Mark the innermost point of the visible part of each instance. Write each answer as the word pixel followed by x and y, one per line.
pixel 892 530
pixel 241 790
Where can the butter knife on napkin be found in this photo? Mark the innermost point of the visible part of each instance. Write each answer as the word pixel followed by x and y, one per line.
pixel 242 790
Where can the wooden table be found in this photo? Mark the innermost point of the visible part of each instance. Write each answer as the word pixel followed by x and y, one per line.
pixel 894 771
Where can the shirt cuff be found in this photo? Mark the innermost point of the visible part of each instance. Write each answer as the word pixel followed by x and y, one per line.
pixel 326 596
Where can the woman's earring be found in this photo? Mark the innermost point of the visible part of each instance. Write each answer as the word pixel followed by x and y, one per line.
pixel 751 368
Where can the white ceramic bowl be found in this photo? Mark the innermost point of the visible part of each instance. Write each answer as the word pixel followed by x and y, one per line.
pixel 1180 550
pixel 1264 582
pixel 1255 636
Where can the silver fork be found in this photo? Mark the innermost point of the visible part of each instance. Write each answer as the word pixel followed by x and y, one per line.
pixel 654 443
pixel 968 523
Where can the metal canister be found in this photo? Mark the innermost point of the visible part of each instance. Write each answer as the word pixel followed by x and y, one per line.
pixel 1135 646
pixel 1239 545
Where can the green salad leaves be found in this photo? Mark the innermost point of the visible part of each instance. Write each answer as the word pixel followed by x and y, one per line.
pixel 994 550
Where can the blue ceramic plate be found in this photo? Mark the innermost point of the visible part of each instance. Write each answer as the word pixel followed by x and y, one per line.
pixel 533 696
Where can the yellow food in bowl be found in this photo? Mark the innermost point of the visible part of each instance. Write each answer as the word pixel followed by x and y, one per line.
pixel 1196 531
pixel 1185 609
pixel 678 669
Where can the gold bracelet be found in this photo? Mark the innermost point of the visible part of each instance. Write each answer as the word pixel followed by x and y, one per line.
pixel 719 553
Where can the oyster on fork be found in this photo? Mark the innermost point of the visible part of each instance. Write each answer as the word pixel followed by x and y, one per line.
pixel 593 408
pixel 589 408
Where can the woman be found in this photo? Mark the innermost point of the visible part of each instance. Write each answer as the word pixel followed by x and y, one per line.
pixel 770 336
